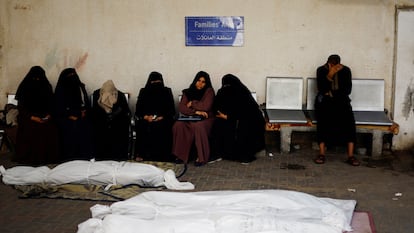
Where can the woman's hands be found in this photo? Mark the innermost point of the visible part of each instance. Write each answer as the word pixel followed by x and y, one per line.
pixel 153 118
pixel 189 104
pixel 221 115
pixel 202 113
pixel 40 119
pixel 75 118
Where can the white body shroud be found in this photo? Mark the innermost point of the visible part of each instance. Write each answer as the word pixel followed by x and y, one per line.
pixel 94 172
pixel 264 211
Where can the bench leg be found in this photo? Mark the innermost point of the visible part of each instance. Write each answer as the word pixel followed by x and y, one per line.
pixel 285 139
pixel 377 142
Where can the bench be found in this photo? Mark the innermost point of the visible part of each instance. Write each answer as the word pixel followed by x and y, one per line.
pixel 367 100
pixel 368 106
pixel 284 108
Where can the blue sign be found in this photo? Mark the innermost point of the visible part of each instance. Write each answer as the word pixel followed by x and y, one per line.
pixel 214 31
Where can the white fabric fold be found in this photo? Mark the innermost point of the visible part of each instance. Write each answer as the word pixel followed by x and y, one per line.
pixel 95 172
pixel 171 182
pixel 23 175
pixel 277 211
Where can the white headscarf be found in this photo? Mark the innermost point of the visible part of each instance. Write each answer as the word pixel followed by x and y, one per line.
pixel 108 96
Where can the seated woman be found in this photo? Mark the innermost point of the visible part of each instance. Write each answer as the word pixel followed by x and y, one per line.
pixel 111 120
pixel 238 132
pixel 154 117
pixel 196 100
pixel 37 142
pixel 72 108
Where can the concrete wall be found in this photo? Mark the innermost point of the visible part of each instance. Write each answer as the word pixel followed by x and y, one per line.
pixel 126 40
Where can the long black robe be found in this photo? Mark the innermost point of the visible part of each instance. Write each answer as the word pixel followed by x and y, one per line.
pixel 154 139
pixel 111 131
pixel 37 142
pixel 71 100
pixel 336 122
pixel 241 136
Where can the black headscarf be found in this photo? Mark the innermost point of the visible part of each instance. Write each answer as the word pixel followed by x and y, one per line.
pixel 154 89
pixel 154 76
pixel 68 80
pixel 229 80
pixel 233 81
pixel 155 98
pixel 234 98
pixel 35 93
pixel 70 93
pixel 192 92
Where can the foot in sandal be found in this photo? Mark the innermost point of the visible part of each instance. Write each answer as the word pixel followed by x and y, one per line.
pixel 320 159
pixel 352 160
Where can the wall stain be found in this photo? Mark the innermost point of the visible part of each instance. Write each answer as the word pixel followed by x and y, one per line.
pixel 51 58
pixel 59 59
pixel 20 6
pixel 408 103
pixel 81 62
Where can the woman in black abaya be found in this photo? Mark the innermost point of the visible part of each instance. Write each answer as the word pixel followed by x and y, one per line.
pixel 238 132
pixel 72 108
pixel 111 121
pixel 154 118
pixel 36 133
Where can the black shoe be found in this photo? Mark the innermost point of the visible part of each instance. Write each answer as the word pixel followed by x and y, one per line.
pixel 178 161
pixel 199 164
pixel 247 161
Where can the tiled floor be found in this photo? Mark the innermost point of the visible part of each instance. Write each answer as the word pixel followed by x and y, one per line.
pixel 373 184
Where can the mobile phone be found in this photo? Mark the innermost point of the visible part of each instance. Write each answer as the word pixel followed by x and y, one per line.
pixel 154 117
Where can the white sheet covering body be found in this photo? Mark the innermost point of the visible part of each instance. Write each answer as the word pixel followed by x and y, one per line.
pixel 94 172
pixel 252 211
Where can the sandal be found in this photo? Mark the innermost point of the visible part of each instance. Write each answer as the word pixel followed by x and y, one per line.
pixel 320 159
pixel 352 161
